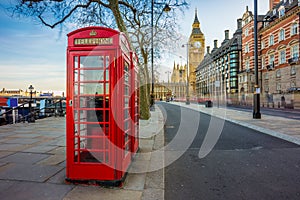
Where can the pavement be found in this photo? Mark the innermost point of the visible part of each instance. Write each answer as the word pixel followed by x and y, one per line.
pixel 32 164
pixel 32 157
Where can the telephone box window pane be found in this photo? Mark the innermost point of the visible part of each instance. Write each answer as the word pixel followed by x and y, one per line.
pixel 75 89
pixel 107 88
pixel 92 75
pixel 75 61
pixel 91 61
pixel 107 62
pixel 75 116
pixel 126 99
pixel 107 102
pixel 95 115
pixel 91 102
pixel 107 116
pixel 76 75
pixel 91 88
pixel 126 67
pixel 126 90
pixel 126 77
pixel 86 156
pixel 84 102
pixel 107 75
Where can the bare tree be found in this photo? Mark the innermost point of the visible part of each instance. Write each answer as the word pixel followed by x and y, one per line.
pixel 133 17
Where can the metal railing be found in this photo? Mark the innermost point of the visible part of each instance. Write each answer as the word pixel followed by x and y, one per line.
pixel 9 116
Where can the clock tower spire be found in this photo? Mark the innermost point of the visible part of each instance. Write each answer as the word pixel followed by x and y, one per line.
pixel 196 52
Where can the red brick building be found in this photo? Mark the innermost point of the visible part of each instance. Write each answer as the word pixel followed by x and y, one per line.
pixel 246 72
pixel 278 55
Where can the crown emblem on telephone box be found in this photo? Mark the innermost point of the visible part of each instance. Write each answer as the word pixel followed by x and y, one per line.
pixel 93 33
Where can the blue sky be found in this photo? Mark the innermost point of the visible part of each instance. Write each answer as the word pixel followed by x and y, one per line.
pixel 33 54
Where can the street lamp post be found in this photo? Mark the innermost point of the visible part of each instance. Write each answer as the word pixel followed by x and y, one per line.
pixel 256 98
pixel 168 72
pixel 30 117
pixel 187 73
pixel 165 9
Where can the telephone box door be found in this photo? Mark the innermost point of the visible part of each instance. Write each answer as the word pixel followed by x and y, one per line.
pixel 91 121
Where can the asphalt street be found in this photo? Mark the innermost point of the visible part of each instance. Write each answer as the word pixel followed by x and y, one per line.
pixel 243 164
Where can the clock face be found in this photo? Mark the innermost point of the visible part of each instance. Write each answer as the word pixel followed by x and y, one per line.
pixel 197 44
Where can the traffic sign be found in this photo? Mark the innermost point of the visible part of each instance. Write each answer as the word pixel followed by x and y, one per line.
pixel 12 102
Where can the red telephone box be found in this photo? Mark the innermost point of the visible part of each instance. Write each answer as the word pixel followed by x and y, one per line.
pixel 102 105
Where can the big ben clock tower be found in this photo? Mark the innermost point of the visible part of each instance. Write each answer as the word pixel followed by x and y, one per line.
pixel 196 53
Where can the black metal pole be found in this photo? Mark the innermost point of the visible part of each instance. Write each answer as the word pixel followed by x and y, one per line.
pixel 152 56
pixel 187 75
pixel 29 116
pixel 256 96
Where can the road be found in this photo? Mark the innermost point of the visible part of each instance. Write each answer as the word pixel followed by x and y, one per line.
pixel 244 164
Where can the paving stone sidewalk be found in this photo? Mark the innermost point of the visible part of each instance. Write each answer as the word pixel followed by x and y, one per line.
pixel 32 164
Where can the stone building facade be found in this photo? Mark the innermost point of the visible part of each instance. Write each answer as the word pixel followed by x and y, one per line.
pixel 217 74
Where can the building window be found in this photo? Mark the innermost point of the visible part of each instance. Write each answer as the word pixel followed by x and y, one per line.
pixel 262 44
pixel 294 29
pixel 295 51
pixel 293 70
pixel 278 73
pixel 282 57
pixel 247 63
pixel 271 40
pixel 281 12
pixel 293 84
pixel 278 86
pixel 247 48
pixel 266 76
pixel 271 59
pixel 266 88
pixel 246 32
pixel 281 35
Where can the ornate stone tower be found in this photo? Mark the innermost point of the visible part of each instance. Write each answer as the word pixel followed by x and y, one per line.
pixel 178 74
pixel 196 53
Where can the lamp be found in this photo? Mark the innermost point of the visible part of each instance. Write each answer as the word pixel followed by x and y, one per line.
pixel 167 8
pixel 30 118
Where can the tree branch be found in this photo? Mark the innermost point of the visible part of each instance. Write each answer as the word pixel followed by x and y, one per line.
pixel 70 13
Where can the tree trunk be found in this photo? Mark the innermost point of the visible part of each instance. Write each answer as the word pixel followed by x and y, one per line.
pixel 144 92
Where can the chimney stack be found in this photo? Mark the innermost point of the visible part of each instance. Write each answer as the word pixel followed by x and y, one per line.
pixel 239 23
pixel 208 49
pixel 215 44
pixel 226 34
